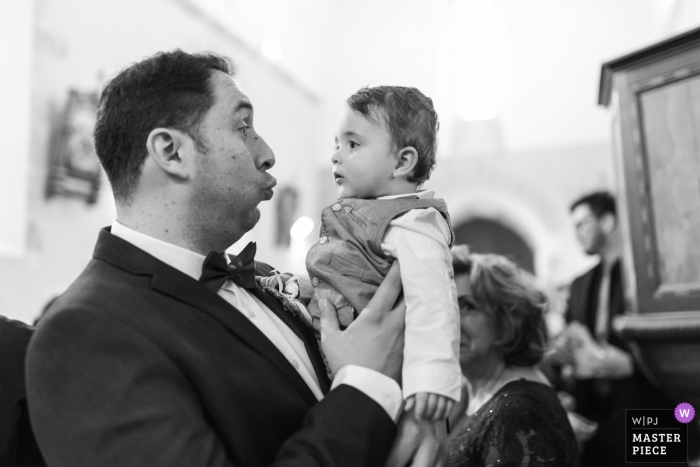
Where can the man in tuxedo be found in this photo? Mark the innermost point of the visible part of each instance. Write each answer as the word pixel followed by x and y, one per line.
pixel 606 382
pixel 161 353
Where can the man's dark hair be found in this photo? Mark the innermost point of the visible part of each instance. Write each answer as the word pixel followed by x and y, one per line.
pixel 409 117
pixel 168 90
pixel 600 203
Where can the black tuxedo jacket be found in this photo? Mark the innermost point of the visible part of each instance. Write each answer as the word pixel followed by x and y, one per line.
pixel 139 364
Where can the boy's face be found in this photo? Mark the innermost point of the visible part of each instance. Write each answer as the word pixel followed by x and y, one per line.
pixel 364 159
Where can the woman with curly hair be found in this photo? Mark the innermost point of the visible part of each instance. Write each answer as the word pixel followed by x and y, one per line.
pixel 509 415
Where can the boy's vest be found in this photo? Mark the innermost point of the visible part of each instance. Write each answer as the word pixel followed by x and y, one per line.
pixel 347 263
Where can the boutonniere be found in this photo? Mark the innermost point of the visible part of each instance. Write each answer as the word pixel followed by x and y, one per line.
pixel 290 290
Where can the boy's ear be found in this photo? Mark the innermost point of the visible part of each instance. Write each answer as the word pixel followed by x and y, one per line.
pixel 406 160
pixel 166 149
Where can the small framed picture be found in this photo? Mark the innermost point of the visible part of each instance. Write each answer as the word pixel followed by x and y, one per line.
pixel 74 168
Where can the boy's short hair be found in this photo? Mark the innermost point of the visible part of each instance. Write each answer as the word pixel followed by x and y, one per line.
pixel 410 118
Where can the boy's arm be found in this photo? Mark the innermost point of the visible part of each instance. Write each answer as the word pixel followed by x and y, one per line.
pixel 419 240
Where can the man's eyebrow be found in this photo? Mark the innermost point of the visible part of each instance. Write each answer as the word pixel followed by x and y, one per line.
pixel 243 105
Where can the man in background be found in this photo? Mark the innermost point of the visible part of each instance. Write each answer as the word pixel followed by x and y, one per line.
pixel 598 367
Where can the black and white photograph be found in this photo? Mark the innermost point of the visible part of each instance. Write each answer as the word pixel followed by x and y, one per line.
pixel 378 233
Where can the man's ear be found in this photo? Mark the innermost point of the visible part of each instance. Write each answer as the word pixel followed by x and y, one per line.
pixel 406 160
pixel 607 223
pixel 165 147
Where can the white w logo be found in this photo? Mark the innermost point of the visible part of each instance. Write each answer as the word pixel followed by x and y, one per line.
pixel 684 412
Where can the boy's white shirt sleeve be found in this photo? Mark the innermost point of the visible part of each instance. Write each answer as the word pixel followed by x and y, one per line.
pixel 419 239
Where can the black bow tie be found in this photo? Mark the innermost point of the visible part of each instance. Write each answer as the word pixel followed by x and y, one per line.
pixel 241 270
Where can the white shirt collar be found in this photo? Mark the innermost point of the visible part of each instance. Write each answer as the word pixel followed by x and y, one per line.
pixel 184 260
pixel 422 194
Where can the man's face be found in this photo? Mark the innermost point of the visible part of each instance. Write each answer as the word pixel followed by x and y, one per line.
pixel 363 161
pixel 588 229
pixel 231 177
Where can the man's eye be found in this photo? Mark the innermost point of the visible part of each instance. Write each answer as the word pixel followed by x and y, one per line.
pixel 244 128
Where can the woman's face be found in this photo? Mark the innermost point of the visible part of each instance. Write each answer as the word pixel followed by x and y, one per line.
pixel 478 332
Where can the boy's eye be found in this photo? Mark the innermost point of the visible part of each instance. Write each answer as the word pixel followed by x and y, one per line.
pixel 353 145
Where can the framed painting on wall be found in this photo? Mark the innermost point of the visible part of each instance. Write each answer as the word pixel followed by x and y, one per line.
pixel 74 168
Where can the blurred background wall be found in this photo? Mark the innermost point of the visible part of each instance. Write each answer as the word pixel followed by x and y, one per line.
pixel 514 82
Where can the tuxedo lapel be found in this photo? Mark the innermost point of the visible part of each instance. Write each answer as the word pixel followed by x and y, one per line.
pixel 182 287
pixel 303 332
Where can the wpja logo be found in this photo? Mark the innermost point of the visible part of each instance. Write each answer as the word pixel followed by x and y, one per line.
pixel 658 435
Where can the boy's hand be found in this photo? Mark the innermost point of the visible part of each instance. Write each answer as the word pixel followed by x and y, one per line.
pixel 429 407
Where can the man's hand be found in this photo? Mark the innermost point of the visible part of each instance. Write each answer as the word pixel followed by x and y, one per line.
pixel 418 443
pixel 593 360
pixel 375 339
pixel 560 355
pixel 613 363
pixel 562 350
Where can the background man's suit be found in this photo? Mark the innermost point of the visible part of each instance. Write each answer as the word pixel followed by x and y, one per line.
pixel 605 400
pixel 137 361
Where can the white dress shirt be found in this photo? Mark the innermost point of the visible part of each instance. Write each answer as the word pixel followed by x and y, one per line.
pixel 384 390
pixel 420 240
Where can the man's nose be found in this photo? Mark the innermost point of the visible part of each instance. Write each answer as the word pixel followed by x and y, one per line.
pixel 265 155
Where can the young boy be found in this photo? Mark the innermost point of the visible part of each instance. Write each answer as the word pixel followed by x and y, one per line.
pixel 385 149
